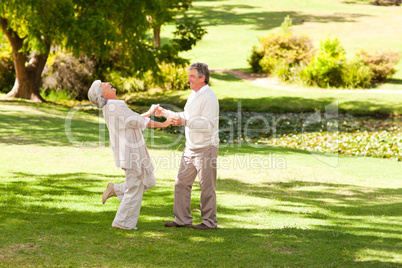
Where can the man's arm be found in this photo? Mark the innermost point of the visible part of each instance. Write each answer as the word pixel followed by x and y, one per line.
pixel 167 113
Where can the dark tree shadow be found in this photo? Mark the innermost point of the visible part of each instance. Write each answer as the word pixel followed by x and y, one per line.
pixel 394 81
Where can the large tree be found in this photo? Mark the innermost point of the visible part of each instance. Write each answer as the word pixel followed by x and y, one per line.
pixel 93 27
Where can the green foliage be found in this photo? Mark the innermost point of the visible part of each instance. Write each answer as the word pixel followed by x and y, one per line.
pixel 170 77
pixel 7 77
pixel 278 53
pixel 95 28
pixel 254 60
pixel 102 26
pixel 128 84
pixel 286 24
pixel 284 48
pixel 63 96
pixel 327 67
pixel 292 58
pixel 381 62
pixel 287 72
pixel 357 74
pixel 386 2
pixel 174 77
pixel 70 75
pixel 38 22
pixel 188 32
pixel 7 71
pixel 160 12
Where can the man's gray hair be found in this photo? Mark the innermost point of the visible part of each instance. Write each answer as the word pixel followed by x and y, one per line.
pixel 202 69
pixel 94 94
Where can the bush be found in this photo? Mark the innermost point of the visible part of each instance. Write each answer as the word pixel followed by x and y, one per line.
pixel 174 77
pixel 327 67
pixel 279 53
pixel 65 73
pixel 386 2
pixel 357 74
pixel 288 73
pixel 284 48
pixel 7 71
pixel 254 60
pixel 381 62
pixel 291 58
pixel 127 84
pixel 170 77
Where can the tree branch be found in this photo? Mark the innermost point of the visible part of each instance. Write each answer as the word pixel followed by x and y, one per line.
pixel 15 41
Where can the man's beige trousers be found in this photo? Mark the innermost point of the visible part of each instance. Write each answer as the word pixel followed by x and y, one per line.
pixel 201 162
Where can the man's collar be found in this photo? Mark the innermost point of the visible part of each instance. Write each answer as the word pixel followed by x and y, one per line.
pixel 201 89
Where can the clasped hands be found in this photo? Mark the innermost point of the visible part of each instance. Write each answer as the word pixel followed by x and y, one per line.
pixel 159 111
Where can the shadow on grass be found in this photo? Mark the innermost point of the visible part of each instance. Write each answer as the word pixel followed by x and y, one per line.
pixel 57 220
pixel 53 125
pixel 45 124
pixel 225 77
pixel 231 15
pixel 394 81
pixel 348 200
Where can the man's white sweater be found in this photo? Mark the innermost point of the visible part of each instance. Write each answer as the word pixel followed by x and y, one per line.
pixel 202 119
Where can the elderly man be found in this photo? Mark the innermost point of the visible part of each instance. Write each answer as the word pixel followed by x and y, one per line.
pixel 201 120
pixel 130 152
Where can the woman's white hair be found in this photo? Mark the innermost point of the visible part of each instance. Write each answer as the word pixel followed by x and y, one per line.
pixel 94 94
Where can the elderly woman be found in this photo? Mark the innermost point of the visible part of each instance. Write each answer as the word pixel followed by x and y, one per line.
pixel 129 149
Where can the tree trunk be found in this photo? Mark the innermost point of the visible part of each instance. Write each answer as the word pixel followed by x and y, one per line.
pixel 157 35
pixel 28 78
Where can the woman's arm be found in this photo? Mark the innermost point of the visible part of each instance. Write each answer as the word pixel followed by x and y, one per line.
pixel 154 124
pixel 150 111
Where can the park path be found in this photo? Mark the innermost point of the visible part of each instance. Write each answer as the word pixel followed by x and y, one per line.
pixel 274 83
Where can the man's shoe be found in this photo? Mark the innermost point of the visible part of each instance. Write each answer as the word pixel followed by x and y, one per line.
pixel 174 224
pixel 202 226
pixel 109 192
pixel 118 226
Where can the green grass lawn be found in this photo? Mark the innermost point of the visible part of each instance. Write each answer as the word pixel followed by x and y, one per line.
pixel 235 26
pixel 277 207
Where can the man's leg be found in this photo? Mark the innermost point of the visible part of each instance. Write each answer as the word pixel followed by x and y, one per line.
pixel 182 190
pixel 130 206
pixel 207 173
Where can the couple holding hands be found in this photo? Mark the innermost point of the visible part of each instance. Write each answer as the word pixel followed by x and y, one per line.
pixel 201 120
